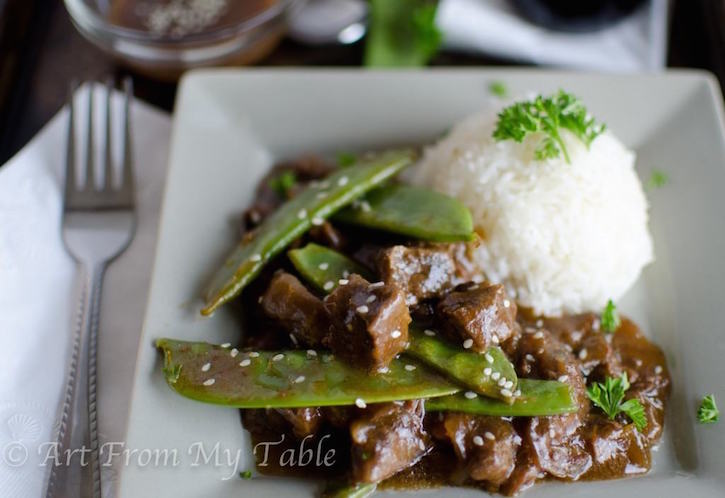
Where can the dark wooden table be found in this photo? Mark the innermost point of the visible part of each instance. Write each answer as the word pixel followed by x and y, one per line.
pixel 41 53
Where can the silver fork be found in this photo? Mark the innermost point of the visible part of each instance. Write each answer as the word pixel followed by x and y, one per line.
pixel 98 224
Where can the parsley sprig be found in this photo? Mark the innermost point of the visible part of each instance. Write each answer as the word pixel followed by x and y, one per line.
pixel 548 115
pixel 708 412
pixel 609 397
pixel 610 317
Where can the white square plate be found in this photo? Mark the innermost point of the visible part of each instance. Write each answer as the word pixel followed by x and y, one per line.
pixel 231 125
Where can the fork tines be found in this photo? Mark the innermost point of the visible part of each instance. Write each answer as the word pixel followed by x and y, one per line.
pixel 88 195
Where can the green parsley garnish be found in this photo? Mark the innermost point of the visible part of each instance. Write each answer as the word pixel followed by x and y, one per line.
pixel 609 396
pixel 708 412
pixel 246 474
pixel 498 88
pixel 548 115
pixel 657 179
pixel 610 318
pixel 345 159
pixel 283 183
pixel 401 33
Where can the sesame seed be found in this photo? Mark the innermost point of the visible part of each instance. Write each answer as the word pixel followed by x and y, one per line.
pixel 429 332
pixel 552 433
pixel 311 353
pixel 324 185
pixel 209 382
pixel 277 357
pixel 362 309
pixel 489 435
pixel 328 285
pixel 506 393
pixel 253 354
pixel 509 384
pixel 365 206
pixel 478 440
pixel 343 281
pixel 488 357
pixel 383 370
pixel 539 323
pixel 517 392
pixel 234 352
pixel 260 299
pixel 540 351
pixel 205 367
pixel 342 181
pixel 529 357
pixel 563 378
pixel 470 395
pixel 506 303
pixel 359 402
pixel 494 339
pixel 583 354
pixel 638 362
pixel 473 287
pixel 539 335
pixel 487 371
pixel 255 257
pixel 421 444
pixel 226 344
pixel 323 266
pixel 302 213
pixel 398 402
pixel 293 339
pixel 658 369
pixel 371 298
pixel 467 343
pixel 501 382
pixel 595 324
pixel 375 285
pixel 410 368
pixel 395 334
pixel 496 375
pixel 245 362
pixel 300 379
pixel 317 221
pixel 345 273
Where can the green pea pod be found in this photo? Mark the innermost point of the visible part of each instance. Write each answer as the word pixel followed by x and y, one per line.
pixel 289 379
pixel 321 266
pixel 482 373
pixel 537 398
pixel 294 218
pixel 411 211
pixel 344 490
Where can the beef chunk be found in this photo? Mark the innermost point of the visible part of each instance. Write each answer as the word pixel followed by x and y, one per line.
pixel 369 322
pixel 479 312
pixel 616 449
pixel 327 235
pixel 556 441
pixel 304 421
pixel 424 272
pixel 525 474
pixel 386 439
pixel 487 445
pixel 296 309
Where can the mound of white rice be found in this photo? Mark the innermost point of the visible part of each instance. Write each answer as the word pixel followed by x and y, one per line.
pixel 564 237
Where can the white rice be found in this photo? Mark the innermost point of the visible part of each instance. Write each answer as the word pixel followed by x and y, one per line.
pixel 564 237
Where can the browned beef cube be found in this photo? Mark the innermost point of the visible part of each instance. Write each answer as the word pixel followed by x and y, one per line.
pixel 386 439
pixel 296 309
pixel 478 316
pixel 424 272
pixel 369 322
pixel 616 449
pixel 487 445
pixel 304 421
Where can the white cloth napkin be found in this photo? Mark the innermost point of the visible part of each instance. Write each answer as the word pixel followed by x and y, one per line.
pixel 39 301
pixel 493 26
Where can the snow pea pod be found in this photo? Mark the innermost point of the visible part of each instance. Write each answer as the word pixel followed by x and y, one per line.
pixel 537 398
pixel 294 218
pixel 411 211
pixel 289 379
pixel 486 374
pixel 323 267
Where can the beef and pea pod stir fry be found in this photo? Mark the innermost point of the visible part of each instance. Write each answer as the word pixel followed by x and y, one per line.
pixel 369 330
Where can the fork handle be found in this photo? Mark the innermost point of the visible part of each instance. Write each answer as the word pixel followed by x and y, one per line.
pixel 79 420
